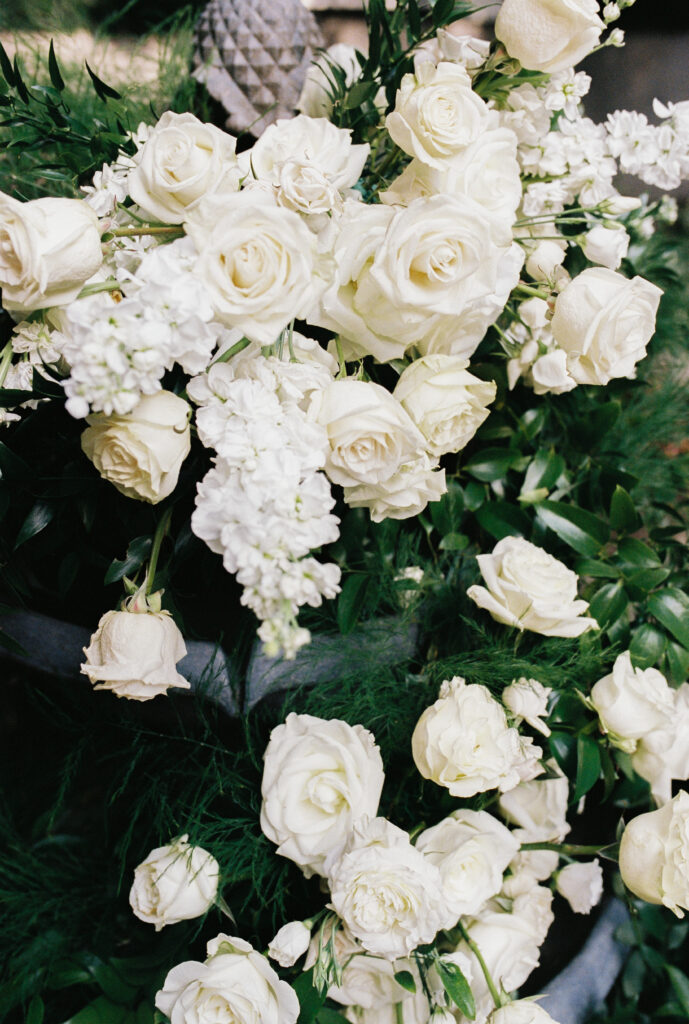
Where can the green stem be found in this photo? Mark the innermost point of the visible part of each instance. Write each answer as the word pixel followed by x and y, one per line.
pixel 5 362
pixel 238 346
pixel 495 995
pixel 145 230
pixel 161 530
pixel 568 849
pixel 340 358
pixel 528 289
pixel 111 285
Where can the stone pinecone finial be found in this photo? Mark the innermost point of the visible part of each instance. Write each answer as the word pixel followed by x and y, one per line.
pixel 252 56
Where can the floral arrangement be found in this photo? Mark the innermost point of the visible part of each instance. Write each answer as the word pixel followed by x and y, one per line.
pixel 376 337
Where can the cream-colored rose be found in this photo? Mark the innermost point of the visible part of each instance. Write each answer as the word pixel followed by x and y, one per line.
pixel 134 654
pixel 550 375
pixel 632 702
pixel 521 1011
pixel 175 883
pixel 472 850
pixel 581 884
pixel 604 322
pixel 235 985
pixel 256 260
pixel 539 808
pixel 544 260
pixel 290 942
pixel 606 245
pixel 49 248
pixel 404 494
pixel 527 699
pixel 319 778
pixel 463 742
pixel 549 35
pixel 141 452
pixel 662 754
pixel 446 402
pixel 313 141
pixel 369 981
pixel 529 589
pixel 436 113
pixel 182 161
pixel 387 893
pixel 654 855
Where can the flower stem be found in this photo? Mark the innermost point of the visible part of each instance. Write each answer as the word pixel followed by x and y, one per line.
pixel 238 346
pixel 110 285
pixel 161 530
pixel 5 362
pixel 570 849
pixel 145 230
pixel 495 995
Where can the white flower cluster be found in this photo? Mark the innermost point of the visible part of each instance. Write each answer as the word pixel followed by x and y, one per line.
pixel 658 154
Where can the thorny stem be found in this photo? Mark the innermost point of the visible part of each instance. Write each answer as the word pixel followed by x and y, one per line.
pixel 495 995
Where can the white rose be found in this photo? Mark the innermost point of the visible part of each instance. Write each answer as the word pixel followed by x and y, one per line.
pixel 654 855
pixel 548 35
pixel 436 113
pixel 539 808
pixel 529 589
pixel 604 322
pixel 290 942
pixel 632 702
pixel 446 402
pixel 182 161
pixel 368 981
pixel 463 742
pixel 235 985
pixel 257 263
pixel 472 850
pixel 581 885
pixel 543 261
pixel 48 249
pixel 134 654
pixel 521 1011
pixel 404 494
pixel 469 51
pixel 662 754
pixel 550 375
pixel 527 699
pixel 319 777
pixel 387 893
pixel 606 245
pixel 305 189
pixel 527 869
pixel 141 452
pixel 174 883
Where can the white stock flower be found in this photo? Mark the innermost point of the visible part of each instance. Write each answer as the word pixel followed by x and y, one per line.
pixel 654 855
pixel 174 883
pixel 463 742
pixel 604 322
pixel 182 161
pixel 134 654
pixel 472 850
pixel 632 702
pixel 521 1011
pixel 49 248
pixel 549 35
pixel 581 884
pixel 289 943
pixel 605 245
pixel 529 589
pixel 141 453
pixel 402 495
pixel 319 778
pixel 235 985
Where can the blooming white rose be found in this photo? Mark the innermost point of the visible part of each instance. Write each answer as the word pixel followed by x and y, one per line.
pixel 134 654
pixel 446 402
pixel 548 35
pixel 463 742
pixel 182 161
pixel 527 699
pixel 174 883
pixel 472 850
pixel 387 893
pixel 606 245
pixel 654 855
pixel 49 248
pixel 319 777
pixel 141 452
pixel 404 494
pixel 581 884
pixel 529 589
pixel 662 754
pixel 436 113
pixel 521 1011
pixel 289 943
pixel 631 702
pixel 604 322
pixel 539 808
pixel 235 985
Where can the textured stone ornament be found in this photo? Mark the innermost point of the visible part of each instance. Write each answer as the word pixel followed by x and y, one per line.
pixel 252 56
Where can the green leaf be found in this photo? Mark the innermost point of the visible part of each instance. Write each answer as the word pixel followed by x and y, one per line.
pixel 544 469
pixel 623 515
pixel 647 646
pixel 597 569
pixel 9 397
pixel 634 553
pixel 326 1015
pixel 678 661
pixel 491 464
pixel 647 579
pixel 103 91
pixel 414 18
pixel 19 82
pixel 406 980
pixel 608 604
pixel 579 529
pixel 36 1011
pixel 103 1011
pixel 503 519
pixel 6 67
pixel 563 748
pixel 38 518
pixel 588 766
pixel 671 608
pixel 54 69
pixel 12 467
pixel 351 602
pixel 310 1000
pixel 680 985
pixel 457 987
pixel 137 552
pixel 454 542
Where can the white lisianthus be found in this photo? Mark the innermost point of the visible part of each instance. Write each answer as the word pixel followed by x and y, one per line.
pixel 182 161
pixel 632 702
pixel 319 778
pixel 436 113
pixel 174 883
pixel 387 893
pixel 141 452
pixel 539 808
pixel 521 1011
pixel 581 884
pixel 463 742
pixel 604 322
pixel 446 402
pixel 606 245
pixel 529 589
pixel 290 942
pixel 134 654
pixel 49 248
pixel 472 850
pixel 404 494
pixel 527 699
pixel 654 855
pixel 235 985
pixel 549 35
